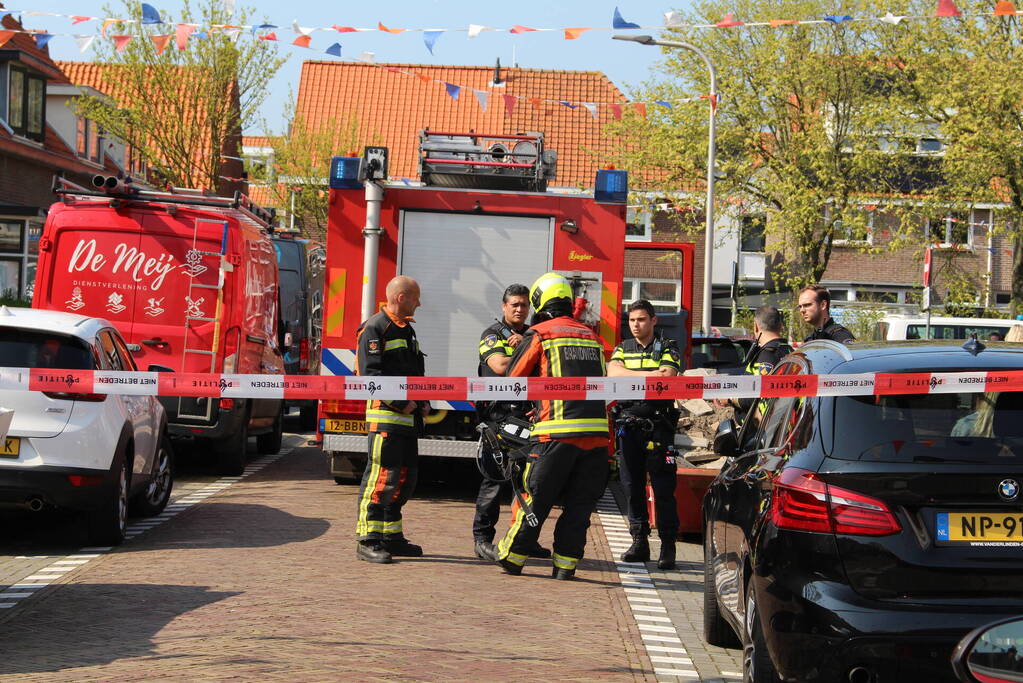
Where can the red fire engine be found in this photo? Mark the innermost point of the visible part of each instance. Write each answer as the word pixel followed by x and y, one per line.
pixel 480 219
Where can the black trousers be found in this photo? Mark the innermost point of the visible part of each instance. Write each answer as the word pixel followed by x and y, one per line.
pixel 387 483
pixel 557 470
pixel 632 464
pixel 488 509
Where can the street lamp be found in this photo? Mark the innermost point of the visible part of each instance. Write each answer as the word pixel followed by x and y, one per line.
pixel 709 230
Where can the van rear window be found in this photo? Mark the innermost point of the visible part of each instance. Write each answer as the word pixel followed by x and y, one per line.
pixel 20 348
pixel 955 331
pixel 975 428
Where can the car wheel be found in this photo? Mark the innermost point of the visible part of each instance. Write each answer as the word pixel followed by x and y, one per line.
pixel 108 524
pixel 716 630
pixel 157 493
pixel 268 444
pixel 231 451
pixel 757 666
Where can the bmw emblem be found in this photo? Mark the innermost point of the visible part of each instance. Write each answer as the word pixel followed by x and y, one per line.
pixel 1008 489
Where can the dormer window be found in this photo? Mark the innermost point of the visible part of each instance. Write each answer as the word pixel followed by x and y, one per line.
pixel 26 103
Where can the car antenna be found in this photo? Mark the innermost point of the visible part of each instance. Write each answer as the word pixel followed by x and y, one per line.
pixel 973 345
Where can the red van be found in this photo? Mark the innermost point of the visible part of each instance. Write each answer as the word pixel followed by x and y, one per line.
pixel 190 281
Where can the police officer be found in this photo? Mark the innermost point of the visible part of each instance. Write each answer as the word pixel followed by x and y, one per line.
pixel 387 346
pixel 497 343
pixel 767 351
pixel 646 430
pixel 568 455
pixel 815 307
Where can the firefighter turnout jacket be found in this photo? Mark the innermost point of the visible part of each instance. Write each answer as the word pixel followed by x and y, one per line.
pixel 388 346
pixel 562 347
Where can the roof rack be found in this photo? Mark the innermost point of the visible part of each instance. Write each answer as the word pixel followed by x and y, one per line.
pixel 114 188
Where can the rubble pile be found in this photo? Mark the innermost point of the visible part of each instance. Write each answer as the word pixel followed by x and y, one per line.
pixel 696 428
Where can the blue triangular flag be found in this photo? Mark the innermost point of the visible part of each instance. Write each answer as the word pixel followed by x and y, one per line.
pixel 837 18
pixel 453 90
pixel 430 38
pixel 199 34
pixel 568 104
pixel 150 15
pixel 263 27
pixel 618 22
pixel 42 39
pixel 334 49
pixel 664 103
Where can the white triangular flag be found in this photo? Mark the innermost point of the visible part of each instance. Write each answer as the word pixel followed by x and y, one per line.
pixel 233 34
pixel 84 42
pixel 301 30
pixel 481 97
pixel 673 19
pixel 366 57
pixel 592 108
pixel 475 29
pixel 890 18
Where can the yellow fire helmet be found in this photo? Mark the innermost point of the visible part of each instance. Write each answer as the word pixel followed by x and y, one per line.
pixel 548 288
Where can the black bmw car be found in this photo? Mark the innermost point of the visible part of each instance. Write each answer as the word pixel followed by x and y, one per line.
pixel 858 538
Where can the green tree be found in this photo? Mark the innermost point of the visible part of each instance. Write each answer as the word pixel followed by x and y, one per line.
pixel 182 110
pixel 961 75
pixel 802 122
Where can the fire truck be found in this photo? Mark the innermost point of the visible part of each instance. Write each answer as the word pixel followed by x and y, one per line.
pixel 481 218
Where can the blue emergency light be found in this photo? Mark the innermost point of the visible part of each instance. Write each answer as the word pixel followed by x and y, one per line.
pixel 344 173
pixel 612 186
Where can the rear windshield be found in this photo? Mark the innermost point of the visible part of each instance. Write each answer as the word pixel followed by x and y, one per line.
pixel 31 349
pixel 980 428
pixel 955 331
pixel 723 353
pixel 289 254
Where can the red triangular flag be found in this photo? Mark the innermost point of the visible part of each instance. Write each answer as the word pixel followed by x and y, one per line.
pixel 573 33
pixel 640 108
pixel 509 103
pixel 389 30
pixel 160 42
pixel 616 111
pixel 120 42
pixel 181 33
pixel 947 8
pixel 728 21
pixel 345 29
pixel 269 36
pixel 1004 8
pixel 78 20
pixel 520 29
pixel 302 41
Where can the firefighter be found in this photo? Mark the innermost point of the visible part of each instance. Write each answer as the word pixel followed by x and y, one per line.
pixel 497 343
pixel 646 436
pixel 815 307
pixel 387 346
pixel 568 455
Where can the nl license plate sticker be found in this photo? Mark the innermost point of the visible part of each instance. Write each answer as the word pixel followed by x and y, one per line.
pixel 977 529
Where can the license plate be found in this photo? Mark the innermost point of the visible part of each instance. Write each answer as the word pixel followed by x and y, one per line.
pixel 12 447
pixel 980 528
pixel 335 426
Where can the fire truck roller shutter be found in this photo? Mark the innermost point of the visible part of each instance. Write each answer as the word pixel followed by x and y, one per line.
pixel 463 263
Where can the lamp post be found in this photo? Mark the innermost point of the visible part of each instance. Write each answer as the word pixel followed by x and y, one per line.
pixel 708 249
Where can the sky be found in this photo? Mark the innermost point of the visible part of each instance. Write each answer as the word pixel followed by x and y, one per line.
pixel 626 64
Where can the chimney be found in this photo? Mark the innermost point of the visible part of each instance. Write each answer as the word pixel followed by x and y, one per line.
pixel 497 82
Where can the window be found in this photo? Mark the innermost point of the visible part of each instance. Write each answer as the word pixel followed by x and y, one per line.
pixel 929 146
pixel 639 224
pixel 1003 298
pixel 108 352
pixel 10 236
pixel 16 104
pixel 752 233
pixel 19 249
pixel 665 295
pixel 879 296
pixel 26 103
pixel 82 137
pixel 951 230
pixel 858 228
pixel 95 143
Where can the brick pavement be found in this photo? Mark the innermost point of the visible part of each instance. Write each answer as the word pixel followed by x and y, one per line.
pixel 261 581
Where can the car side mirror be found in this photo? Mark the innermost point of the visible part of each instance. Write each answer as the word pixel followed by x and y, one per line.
pixel 726 439
pixel 159 368
pixel 992 653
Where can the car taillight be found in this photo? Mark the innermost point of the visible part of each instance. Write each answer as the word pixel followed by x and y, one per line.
pixel 70 396
pixel 303 354
pixel 84 480
pixel 803 502
pixel 334 406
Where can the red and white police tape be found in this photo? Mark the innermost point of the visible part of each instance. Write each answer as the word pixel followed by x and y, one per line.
pixel 501 388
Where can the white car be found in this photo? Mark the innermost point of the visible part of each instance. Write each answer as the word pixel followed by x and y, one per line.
pixel 93 453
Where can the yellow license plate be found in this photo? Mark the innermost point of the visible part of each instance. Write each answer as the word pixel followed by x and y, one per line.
pixel 980 527
pixel 12 447
pixel 334 426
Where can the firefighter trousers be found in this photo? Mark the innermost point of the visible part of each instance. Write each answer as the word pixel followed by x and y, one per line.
pixel 388 482
pixel 633 470
pixel 488 509
pixel 556 470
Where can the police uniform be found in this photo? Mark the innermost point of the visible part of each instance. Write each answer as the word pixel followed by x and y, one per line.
pixel 642 452
pixel 493 342
pixel 568 454
pixel 760 360
pixel 387 346
pixel 832 330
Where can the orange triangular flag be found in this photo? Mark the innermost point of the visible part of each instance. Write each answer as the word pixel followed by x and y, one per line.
pixel 181 33
pixel 302 41
pixel 947 8
pixel 775 23
pixel 1004 8
pixel 424 78
pixel 573 33
pixel 640 108
pixel 160 42
pixel 107 23
pixel 536 102
pixel 389 30
pixel 616 111
pixel 5 36
pixel 269 36
pixel 121 42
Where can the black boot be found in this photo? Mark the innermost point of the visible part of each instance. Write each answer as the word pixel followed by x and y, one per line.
pixel 373 551
pixel 402 547
pixel 639 551
pixel 666 560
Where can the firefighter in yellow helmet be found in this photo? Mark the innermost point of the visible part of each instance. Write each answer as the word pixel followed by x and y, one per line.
pixel 568 455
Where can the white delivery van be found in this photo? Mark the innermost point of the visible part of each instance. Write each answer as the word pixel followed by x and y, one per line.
pixel 894 327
